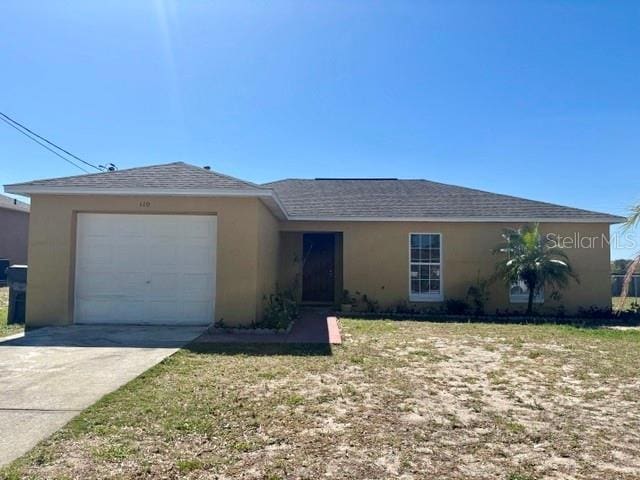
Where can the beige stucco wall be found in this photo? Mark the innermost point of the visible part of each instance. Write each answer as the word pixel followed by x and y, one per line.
pixel 268 256
pixel 246 267
pixel 255 251
pixel 376 260
pixel 14 234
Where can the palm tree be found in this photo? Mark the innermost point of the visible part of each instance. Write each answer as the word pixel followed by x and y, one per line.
pixel 632 221
pixel 532 260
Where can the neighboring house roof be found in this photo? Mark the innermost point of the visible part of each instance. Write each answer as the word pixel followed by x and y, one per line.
pixel 321 199
pixel 9 203
pixel 392 199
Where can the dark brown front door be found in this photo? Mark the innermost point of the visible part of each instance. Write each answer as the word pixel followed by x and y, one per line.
pixel 318 269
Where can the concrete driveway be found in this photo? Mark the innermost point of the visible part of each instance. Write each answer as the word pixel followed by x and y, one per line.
pixel 51 374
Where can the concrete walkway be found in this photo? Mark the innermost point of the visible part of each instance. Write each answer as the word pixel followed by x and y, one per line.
pixel 313 326
pixel 51 374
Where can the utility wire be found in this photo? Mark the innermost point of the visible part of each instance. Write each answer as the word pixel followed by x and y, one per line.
pixel 15 123
pixel 43 145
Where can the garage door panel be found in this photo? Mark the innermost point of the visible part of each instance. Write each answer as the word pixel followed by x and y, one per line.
pixel 98 226
pixel 94 311
pixel 130 257
pixel 133 283
pixel 97 281
pixel 145 269
pixel 196 311
pixel 200 228
pixel 168 228
pixel 197 256
pixel 165 311
pixel 163 254
pixel 128 226
pixel 127 310
pixel 96 251
pixel 164 285
pixel 196 286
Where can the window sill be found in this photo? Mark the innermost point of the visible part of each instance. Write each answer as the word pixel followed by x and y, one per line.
pixel 426 298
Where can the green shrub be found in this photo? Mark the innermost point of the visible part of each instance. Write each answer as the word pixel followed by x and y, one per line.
pixel 454 306
pixel 478 295
pixel 280 310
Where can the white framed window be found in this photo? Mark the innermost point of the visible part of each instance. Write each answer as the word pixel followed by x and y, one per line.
pixel 425 267
pixel 519 293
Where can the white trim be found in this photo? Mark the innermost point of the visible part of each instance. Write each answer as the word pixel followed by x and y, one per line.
pixel 427 297
pixel 610 220
pixel 270 194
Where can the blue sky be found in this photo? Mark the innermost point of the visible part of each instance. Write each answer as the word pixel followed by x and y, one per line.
pixel 535 99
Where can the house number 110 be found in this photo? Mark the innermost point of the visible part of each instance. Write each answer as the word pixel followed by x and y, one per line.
pixel 145 204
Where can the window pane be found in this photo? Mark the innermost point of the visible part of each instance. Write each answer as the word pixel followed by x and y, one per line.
pixel 434 272
pixel 424 266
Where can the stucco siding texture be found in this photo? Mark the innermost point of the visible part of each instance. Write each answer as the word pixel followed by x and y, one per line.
pixel 14 235
pixel 52 251
pixel 376 260
pixel 268 255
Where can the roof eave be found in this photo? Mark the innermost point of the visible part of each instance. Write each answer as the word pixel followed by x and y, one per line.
pixel 268 196
pixel 603 219
pixel 271 199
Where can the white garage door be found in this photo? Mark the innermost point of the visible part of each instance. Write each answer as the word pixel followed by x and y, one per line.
pixel 145 269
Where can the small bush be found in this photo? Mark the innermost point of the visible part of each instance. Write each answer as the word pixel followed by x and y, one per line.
pixel 363 303
pixel 281 309
pixel 454 306
pixel 478 295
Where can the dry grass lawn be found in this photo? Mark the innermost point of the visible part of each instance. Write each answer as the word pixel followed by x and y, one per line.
pixel 397 400
pixel 4 306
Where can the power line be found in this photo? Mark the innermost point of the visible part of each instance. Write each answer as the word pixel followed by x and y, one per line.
pixel 44 146
pixel 15 124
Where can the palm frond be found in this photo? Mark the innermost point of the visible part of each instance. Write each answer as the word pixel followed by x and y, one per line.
pixel 627 281
pixel 633 219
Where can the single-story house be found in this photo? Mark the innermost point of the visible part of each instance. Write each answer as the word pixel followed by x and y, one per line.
pixel 180 244
pixel 14 229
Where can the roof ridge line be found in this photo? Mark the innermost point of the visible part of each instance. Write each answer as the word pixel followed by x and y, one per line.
pixel 96 173
pixel 230 177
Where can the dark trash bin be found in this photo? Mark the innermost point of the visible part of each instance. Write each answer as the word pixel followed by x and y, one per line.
pixel 17 280
pixel 4 265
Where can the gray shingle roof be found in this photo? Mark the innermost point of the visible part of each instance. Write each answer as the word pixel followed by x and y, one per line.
pixel 9 203
pixel 174 176
pixel 390 198
pixel 340 199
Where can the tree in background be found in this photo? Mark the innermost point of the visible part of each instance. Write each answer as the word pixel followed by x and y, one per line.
pixel 620 266
pixel 632 221
pixel 533 261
